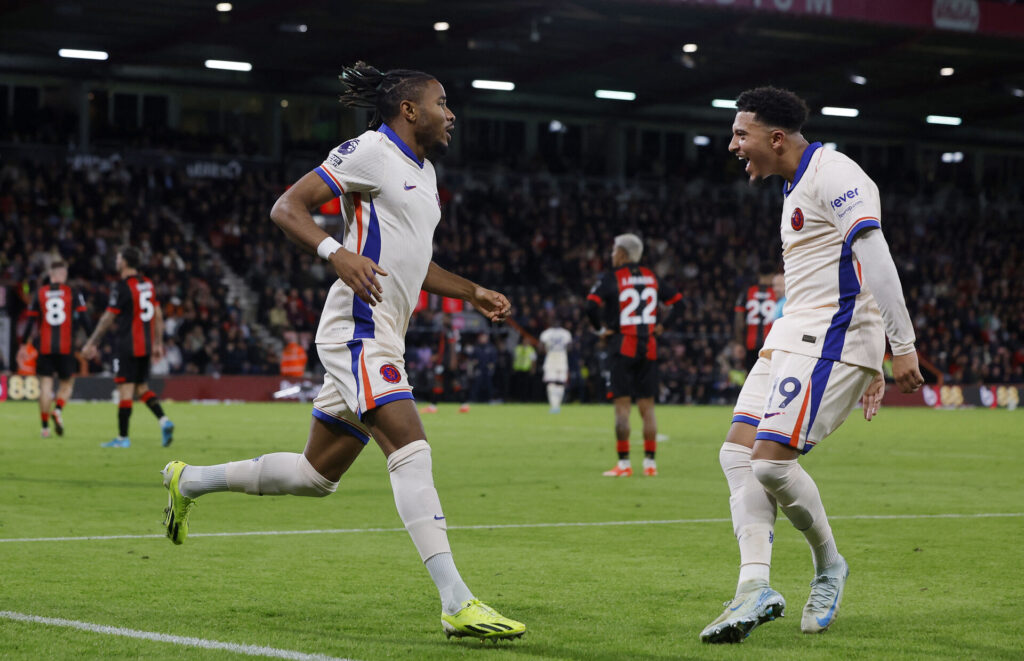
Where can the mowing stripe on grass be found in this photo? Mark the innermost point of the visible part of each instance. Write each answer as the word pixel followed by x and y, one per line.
pixel 500 526
pixel 250 650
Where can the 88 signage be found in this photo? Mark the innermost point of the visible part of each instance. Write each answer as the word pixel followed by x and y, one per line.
pixel 16 388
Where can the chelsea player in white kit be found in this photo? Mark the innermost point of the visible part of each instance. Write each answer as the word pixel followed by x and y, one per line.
pixel 820 358
pixel 556 341
pixel 389 193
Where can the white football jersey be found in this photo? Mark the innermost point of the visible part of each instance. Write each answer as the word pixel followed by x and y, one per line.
pixel 556 341
pixel 391 207
pixel 829 311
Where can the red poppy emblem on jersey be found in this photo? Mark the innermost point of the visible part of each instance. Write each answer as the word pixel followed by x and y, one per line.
pixel 390 373
pixel 797 219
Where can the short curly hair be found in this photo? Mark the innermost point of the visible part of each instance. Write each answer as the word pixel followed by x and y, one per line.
pixel 774 107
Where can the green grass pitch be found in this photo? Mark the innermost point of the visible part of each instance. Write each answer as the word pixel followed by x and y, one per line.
pixel 931 576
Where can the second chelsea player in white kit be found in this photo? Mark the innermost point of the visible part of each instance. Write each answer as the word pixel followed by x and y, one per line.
pixel 391 206
pixel 556 341
pixel 821 358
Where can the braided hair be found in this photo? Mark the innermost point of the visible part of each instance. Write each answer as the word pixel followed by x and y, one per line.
pixel 366 87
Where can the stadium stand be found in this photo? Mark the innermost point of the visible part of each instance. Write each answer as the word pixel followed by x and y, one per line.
pixel 230 286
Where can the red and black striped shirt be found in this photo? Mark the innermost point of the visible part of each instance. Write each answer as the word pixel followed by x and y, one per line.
pixel 133 300
pixel 626 301
pixel 57 308
pixel 758 304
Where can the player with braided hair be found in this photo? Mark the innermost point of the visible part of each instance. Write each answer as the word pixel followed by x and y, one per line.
pixel 388 188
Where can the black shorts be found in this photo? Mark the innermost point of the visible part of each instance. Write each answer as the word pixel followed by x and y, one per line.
pixel 63 364
pixel 633 377
pixel 131 369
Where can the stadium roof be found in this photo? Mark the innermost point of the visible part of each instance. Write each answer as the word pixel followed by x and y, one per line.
pixel 557 53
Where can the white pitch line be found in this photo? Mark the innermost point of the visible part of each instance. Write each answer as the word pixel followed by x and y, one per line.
pixel 501 526
pixel 186 641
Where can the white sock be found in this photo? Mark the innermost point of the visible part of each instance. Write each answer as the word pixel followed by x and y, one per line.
pixel 825 555
pixel 277 474
pixel 798 496
pixel 197 481
pixel 449 583
pixel 412 482
pixel 624 463
pixel 162 419
pixel 555 392
pixel 753 516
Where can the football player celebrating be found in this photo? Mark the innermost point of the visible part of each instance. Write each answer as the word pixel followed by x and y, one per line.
pixel 820 358
pixel 388 188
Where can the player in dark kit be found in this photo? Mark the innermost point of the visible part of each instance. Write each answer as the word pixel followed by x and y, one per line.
pixel 624 304
pixel 755 312
pixel 60 312
pixel 139 337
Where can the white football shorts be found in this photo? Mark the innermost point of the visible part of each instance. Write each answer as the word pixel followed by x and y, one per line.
pixel 798 400
pixel 556 368
pixel 361 375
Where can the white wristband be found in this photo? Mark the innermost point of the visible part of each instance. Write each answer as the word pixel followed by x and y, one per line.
pixel 328 247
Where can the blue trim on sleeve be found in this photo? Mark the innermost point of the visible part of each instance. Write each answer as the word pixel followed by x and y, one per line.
pixel 805 160
pixel 386 130
pixel 327 180
pixel 860 226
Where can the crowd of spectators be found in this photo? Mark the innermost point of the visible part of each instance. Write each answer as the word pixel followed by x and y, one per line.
pixel 541 241
pixel 47 212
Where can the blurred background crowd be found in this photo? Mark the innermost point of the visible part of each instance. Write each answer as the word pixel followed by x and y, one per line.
pixel 236 294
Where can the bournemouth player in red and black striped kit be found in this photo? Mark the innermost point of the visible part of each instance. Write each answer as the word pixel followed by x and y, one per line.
pixel 139 333
pixel 625 304
pixel 755 312
pixel 60 312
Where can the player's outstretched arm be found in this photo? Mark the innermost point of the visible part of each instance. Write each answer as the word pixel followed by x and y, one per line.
pixel 489 303
pixel 291 214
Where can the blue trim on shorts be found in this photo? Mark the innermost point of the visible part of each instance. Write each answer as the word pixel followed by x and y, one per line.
pixel 356 348
pixel 772 436
pixel 746 419
pixel 782 438
pixel 393 397
pixel 819 381
pixel 347 426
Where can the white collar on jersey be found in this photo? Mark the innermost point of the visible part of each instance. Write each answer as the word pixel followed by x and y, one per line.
pixel 805 160
pixel 386 130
